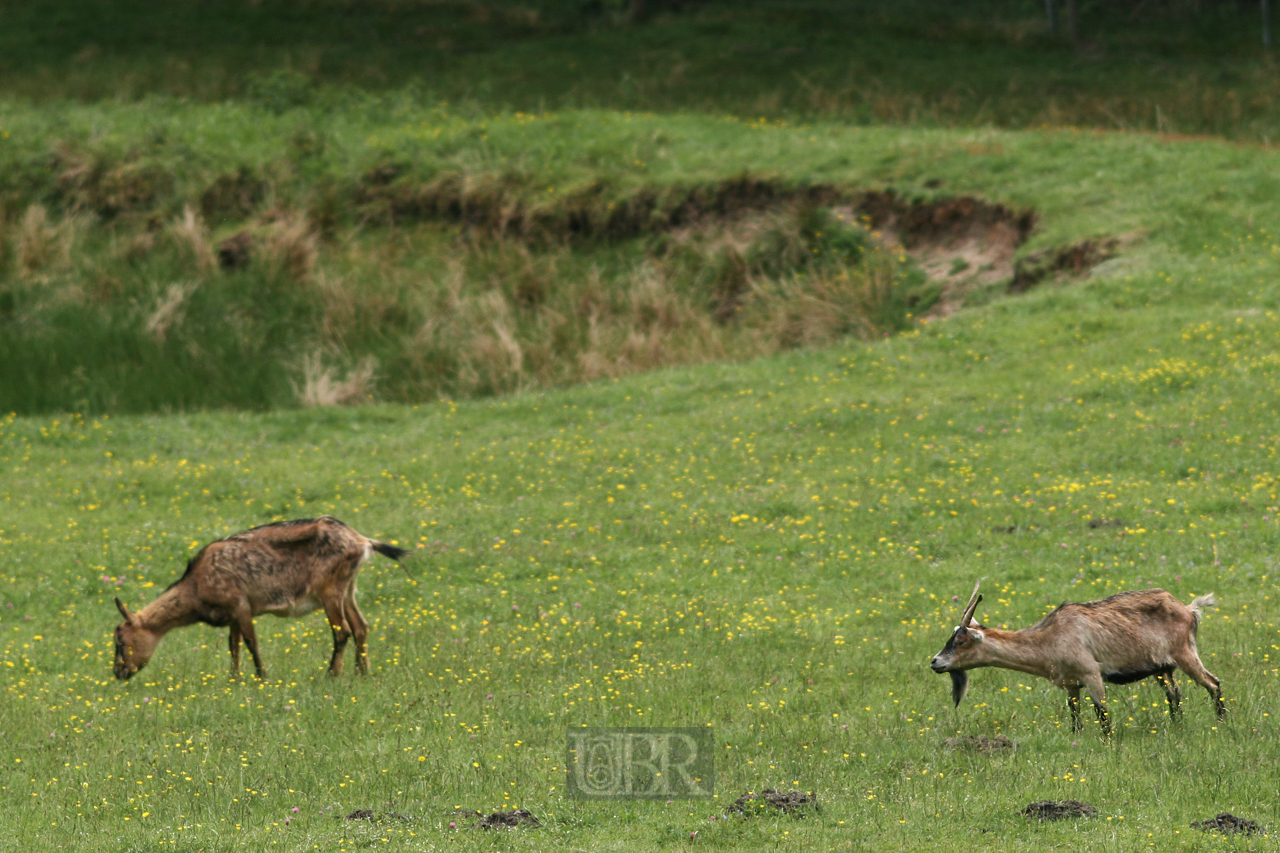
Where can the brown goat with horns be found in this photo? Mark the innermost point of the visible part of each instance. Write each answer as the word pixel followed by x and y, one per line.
pixel 285 569
pixel 1121 639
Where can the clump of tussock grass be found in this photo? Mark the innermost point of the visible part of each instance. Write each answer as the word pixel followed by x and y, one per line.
pixel 107 183
pixel 821 306
pixel 168 310
pixel 291 248
pixel 729 260
pixel 41 244
pixel 191 237
pixel 492 355
pixel 325 386
pixel 5 249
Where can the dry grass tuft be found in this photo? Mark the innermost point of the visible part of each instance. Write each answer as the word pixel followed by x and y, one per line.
pixel 322 386
pixel 491 357
pixel 169 309
pixel 42 244
pixel 821 306
pixel 191 238
pixel 292 248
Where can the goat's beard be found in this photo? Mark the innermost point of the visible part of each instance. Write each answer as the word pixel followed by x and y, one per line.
pixel 959 684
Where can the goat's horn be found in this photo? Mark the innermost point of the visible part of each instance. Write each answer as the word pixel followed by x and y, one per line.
pixel 124 611
pixel 974 600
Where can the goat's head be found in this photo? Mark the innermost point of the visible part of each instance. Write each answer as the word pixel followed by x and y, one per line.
pixel 962 651
pixel 134 644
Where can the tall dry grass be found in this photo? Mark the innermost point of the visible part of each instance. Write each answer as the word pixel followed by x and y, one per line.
pixel 417 313
pixel 168 310
pixel 191 237
pixel 291 248
pixel 42 244
pixel 503 317
pixel 324 386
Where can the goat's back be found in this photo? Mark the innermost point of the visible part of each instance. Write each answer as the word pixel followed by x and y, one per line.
pixel 276 565
pixel 1130 635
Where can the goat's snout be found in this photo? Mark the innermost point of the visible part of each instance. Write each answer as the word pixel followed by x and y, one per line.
pixel 937 665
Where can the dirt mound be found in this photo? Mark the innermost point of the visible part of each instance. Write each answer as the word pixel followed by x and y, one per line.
pixel 790 802
pixel 504 205
pixel 960 243
pixel 233 252
pixel 1076 259
pixel 980 744
pixel 1059 809
pixel 1227 823
pixel 1095 523
pixel 505 820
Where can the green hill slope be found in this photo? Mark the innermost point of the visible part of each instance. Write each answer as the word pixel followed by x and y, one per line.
pixel 772 548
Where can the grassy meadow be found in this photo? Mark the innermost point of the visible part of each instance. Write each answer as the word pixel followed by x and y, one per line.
pixel 772 548
pixel 599 322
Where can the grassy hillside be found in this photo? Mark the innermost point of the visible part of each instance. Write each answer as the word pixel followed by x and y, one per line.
pixel 422 255
pixel 691 399
pixel 773 548
pixel 253 205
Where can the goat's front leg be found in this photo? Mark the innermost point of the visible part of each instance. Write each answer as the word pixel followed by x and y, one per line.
pixel 245 622
pixel 1098 695
pixel 1073 704
pixel 235 649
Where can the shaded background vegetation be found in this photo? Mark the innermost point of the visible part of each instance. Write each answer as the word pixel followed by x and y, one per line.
pixel 266 203
pixel 1178 65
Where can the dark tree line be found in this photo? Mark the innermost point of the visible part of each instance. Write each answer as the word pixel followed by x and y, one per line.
pixel 1062 16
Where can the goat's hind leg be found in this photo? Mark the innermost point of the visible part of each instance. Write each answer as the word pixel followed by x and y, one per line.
pixel 335 612
pixel 1171 692
pixel 1189 662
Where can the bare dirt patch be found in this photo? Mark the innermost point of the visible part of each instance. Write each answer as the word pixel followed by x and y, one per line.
pixel 1228 824
pixel 1095 523
pixel 233 252
pixel 788 802
pixel 1058 809
pixel 1076 260
pixel 961 243
pixel 980 744
pixel 505 820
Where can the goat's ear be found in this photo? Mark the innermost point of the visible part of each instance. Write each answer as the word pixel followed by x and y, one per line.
pixel 975 635
pixel 124 611
pixel 959 685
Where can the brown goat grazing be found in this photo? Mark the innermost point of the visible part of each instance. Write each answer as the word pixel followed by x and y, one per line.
pixel 284 569
pixel 1120 639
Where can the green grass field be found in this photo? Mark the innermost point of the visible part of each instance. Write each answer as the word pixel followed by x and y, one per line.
pixel 764 534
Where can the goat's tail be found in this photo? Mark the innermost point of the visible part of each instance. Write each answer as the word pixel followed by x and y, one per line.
pixel 393 552
pixel 1201 603
pixel 396 553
